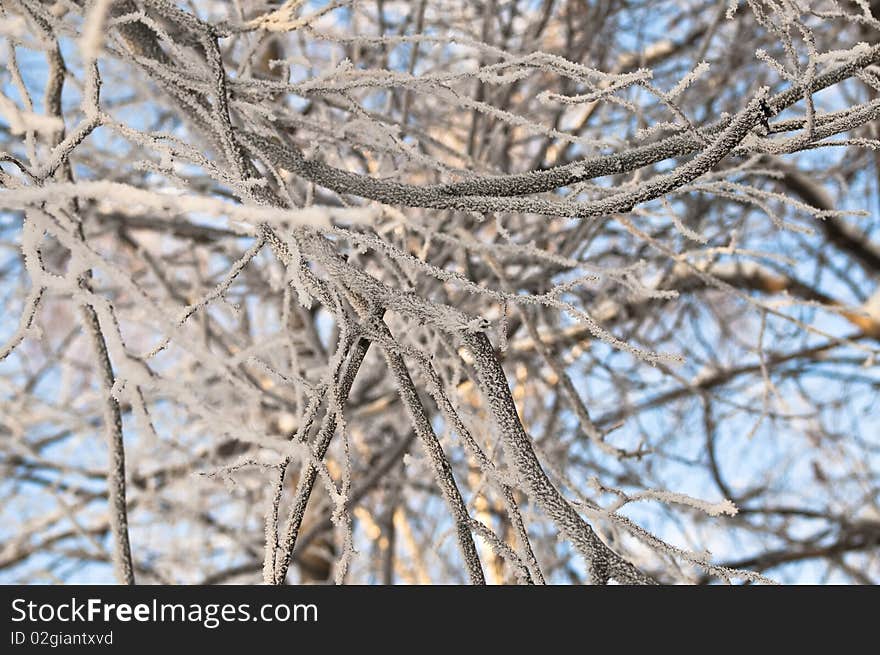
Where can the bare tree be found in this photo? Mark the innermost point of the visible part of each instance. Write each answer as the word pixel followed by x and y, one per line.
pixel 457 291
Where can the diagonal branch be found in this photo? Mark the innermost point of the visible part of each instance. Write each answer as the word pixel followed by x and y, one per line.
pixel 604 563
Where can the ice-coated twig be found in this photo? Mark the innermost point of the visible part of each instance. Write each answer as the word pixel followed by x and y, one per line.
pixel 604 563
